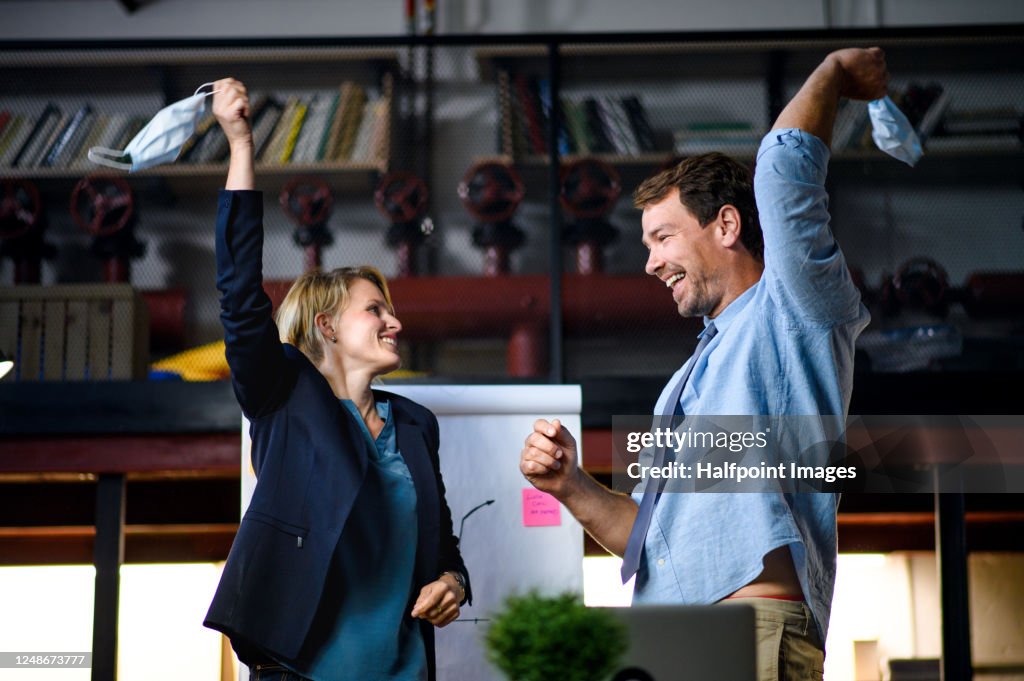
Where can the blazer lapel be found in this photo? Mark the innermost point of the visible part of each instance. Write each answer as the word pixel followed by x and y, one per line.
pixel 413 448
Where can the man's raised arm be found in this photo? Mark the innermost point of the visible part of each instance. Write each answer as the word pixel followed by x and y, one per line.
pixel 854 73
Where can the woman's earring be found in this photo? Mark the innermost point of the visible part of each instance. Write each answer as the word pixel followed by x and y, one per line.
pixel 334 339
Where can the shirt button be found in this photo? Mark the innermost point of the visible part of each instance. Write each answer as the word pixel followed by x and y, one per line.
pixel 661 562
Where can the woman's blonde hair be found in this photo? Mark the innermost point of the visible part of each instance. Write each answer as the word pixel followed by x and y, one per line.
pixel 315 292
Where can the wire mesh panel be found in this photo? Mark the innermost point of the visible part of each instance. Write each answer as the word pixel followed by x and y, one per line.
pixel 492 180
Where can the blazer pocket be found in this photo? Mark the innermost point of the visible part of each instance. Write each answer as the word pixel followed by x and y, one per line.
pixel 299 532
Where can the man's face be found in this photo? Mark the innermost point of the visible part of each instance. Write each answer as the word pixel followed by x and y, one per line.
pixel 684 255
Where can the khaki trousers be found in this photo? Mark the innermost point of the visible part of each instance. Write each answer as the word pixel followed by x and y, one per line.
pixel 788 647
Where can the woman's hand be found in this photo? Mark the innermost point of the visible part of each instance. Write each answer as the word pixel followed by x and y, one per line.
pixel 438 602
pixel 231 107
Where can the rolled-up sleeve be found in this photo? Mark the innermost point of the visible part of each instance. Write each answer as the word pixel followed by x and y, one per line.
pixel 804 267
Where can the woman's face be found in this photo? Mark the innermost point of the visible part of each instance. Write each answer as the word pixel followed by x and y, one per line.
pixel 367 331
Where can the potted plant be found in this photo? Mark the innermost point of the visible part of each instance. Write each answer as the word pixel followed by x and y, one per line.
pixel 546 638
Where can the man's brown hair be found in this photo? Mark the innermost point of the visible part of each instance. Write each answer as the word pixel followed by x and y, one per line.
pixel 706 183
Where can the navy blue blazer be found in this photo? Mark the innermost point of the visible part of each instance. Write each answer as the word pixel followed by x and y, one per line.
pixel 310 458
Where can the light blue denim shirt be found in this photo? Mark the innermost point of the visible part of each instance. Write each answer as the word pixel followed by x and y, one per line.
pixel 784 347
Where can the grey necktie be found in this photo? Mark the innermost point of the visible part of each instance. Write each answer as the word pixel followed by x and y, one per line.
pixel 635 543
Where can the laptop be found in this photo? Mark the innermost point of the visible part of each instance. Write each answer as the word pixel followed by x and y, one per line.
pixel 684 642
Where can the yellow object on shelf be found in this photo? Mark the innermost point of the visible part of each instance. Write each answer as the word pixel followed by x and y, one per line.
pixel 202 363
pixel 208 363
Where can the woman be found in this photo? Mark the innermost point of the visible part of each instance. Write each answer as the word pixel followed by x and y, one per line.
pixel 345 559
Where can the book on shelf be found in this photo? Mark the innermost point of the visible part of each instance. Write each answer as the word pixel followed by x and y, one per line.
pixel 607 124
pixel 131 128
pixel 521 144
pixel 566 145
pixel 932 118
pixel 65 136
pixel 734 138
pixel 381 137
pixel 112 127
pixel 982 121
pixel 506 126
pixel 41 129
pixel 640 123
pixel 352 117
pixel 8 132
pixel 532 114
pixel 380 141
pixel 264 122
pixel 308 142
pixel 80 158
pixel 617 123
pixel 213 147
pixel 220 149
pixel 275 146
pixel 361 147
pixel 600 143
pixel 587 123
pixel 320 148
pixel 345 124
pixel 38 159
pixel 190 150
pixel 576 122
pixel 210 144
pixel 75 145
pixel 336 127
pixel 381 131
pixel 301 145
pixel 301 107
pixel 15 134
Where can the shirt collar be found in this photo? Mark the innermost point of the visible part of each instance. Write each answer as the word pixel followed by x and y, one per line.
pixel 725 317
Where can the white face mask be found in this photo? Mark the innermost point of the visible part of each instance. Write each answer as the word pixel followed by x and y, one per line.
pixel 162 138
pixel 892 132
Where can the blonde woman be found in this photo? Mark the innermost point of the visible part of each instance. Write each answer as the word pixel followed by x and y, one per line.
pixel 345 560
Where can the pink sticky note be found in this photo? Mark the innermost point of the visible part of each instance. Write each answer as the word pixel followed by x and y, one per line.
pixel 540 509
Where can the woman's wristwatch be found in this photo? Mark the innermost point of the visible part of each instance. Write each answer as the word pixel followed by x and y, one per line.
pixel 461 579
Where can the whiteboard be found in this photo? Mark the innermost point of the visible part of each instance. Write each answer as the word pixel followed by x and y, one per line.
pixel 482 432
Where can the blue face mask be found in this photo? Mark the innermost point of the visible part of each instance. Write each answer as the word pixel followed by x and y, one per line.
pixel 162 138
pixel 892 132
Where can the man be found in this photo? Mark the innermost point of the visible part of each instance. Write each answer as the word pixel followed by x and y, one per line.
pixel 781 317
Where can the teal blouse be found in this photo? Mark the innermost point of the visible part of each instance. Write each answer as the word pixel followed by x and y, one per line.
pixel 367 599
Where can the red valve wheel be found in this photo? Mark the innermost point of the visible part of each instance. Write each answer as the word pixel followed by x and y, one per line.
pixel 401 196
pixel 20 208
pixel 491 191
pixel 102 205
pixel 921 281
pixel 307 201
pixel 589 188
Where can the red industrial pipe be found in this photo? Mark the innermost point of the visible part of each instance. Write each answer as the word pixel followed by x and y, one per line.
pixel 589 257
pixel 517 307
pixel 527 353
pixel 994 294
pixel 475 307
pixel 166 309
